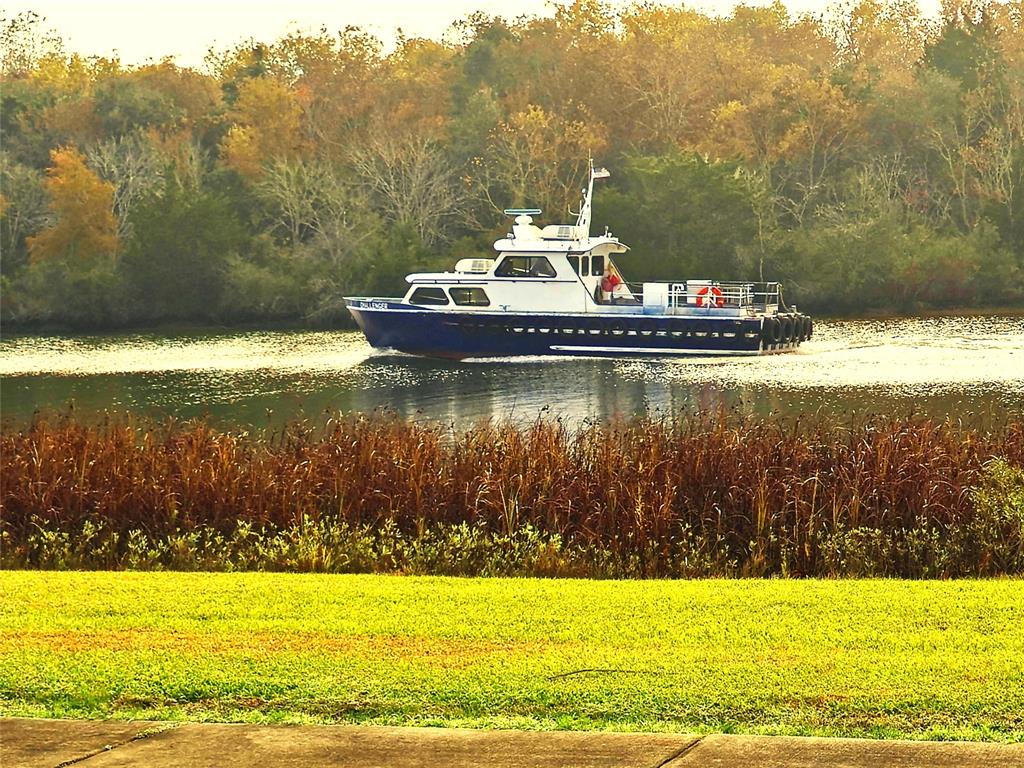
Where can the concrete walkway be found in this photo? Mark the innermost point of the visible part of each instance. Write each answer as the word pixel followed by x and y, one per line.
pixel 57 743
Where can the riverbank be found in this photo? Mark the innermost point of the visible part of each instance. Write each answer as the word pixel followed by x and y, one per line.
pixel 867 658
pixel 708 495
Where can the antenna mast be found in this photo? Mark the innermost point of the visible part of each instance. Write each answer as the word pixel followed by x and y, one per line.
pixel 586 209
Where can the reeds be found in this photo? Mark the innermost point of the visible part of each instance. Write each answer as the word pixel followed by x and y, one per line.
pixel 702 495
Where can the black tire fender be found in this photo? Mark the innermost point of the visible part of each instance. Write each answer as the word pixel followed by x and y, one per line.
pixel 804 322
pixel 787 329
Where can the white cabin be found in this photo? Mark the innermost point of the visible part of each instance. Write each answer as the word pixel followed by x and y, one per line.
pixel 559 268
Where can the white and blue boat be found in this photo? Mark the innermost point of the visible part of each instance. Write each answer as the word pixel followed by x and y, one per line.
pixel 557 290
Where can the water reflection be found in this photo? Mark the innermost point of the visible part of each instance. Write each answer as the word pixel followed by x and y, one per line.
pixel 942 366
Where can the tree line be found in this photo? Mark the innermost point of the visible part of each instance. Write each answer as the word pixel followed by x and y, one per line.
pixel 869 157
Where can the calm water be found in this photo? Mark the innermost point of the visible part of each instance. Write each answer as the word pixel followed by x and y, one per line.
pixel 960 367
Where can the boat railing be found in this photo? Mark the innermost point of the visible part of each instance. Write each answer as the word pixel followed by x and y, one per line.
pixel 679 296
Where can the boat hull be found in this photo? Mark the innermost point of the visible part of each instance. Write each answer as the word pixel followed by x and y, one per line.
pixel 459 335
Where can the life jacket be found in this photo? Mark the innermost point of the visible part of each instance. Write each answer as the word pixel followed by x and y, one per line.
pixel 610 282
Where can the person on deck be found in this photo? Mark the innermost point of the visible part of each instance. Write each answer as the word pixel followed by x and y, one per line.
pixel 609 283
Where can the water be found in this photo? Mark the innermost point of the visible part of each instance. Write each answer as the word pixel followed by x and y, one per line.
pixel 960 367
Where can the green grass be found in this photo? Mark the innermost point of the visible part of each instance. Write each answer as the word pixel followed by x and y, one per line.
pixel 863 658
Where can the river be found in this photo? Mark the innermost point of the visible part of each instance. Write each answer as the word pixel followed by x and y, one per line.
pixel 958 367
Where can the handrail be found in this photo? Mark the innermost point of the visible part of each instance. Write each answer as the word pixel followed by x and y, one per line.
pixel 734 294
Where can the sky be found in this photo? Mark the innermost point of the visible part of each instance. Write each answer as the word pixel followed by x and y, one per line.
pixel 139 30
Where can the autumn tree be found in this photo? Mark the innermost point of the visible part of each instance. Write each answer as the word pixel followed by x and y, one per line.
pixel 880 43
pixel 81 205
pixel 666 76
pixel 265 125
pixel 193 98
pixel 337 76
pixel 538 158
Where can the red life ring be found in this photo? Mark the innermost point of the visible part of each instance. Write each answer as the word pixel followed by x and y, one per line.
pixel 716 299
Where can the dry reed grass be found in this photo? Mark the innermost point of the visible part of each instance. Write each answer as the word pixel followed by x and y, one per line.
pixel 748 496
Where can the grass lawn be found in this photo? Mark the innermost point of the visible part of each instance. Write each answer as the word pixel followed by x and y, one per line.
pixel 863 658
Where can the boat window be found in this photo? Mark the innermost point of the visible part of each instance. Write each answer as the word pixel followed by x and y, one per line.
pixel 574 262
pixel 470 297
pixel 428 296
pixel 525 266
pixel 585 261
pixel 597 265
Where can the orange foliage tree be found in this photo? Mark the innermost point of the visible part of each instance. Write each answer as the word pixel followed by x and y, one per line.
pixel 84 228
pixel 267 123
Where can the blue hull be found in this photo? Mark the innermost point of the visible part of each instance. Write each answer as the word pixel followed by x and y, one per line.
pixel 424 331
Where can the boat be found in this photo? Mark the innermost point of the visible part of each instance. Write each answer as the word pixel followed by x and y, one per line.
pixel 557 290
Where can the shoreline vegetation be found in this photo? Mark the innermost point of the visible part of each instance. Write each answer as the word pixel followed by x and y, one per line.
pixel 690 496
pixel 869 158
